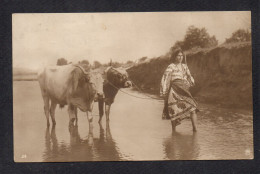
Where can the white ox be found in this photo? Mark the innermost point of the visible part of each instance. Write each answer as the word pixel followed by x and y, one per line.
pixel 69 85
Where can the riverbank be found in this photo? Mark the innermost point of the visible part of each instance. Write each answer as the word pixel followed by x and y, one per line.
pixel 223 74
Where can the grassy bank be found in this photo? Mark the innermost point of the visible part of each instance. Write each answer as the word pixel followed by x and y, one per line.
pixel 223 74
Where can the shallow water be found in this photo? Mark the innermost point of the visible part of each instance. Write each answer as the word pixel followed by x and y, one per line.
pixel 135 132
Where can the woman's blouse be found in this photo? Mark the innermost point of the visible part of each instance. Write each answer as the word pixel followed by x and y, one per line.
pixel 173 72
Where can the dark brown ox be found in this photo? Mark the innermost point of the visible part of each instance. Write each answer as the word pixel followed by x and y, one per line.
pixel 69 85
pixel 114 79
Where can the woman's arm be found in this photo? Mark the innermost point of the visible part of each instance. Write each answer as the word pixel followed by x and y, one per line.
pixel 189 76
pixel 165 82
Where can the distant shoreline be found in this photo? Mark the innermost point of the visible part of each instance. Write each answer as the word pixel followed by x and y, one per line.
pixel 25 77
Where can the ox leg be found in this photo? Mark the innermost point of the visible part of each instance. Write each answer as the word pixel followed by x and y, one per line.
pixel 100 109
pixel 108 133
pixel 48 140
pixel 107 111
pixel 72 117
pixel 90 122
pixel 76 115
pixel 90 134
pixel 89 114
pixel 46 109
pixel 52 112
pixel 101 132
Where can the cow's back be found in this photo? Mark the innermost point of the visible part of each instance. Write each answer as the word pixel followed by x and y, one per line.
pixel 54 81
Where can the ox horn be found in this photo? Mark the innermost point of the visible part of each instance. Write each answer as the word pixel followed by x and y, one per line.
pixel 80 67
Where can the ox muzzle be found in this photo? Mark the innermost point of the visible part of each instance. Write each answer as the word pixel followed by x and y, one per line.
pixel 98 96
pixel 128 84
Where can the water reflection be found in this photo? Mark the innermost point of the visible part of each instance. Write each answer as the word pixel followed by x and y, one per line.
pixel 105 146
pixel 182 147
pixel 102 148
pixel 51 143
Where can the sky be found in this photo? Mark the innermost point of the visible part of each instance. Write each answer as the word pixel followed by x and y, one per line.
pixel 39 39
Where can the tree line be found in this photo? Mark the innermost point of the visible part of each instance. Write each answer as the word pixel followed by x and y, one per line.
pixel 96 64
pixel 200 38
pixel 194 38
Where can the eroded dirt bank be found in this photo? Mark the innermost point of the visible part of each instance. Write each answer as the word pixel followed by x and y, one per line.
pixel 223 75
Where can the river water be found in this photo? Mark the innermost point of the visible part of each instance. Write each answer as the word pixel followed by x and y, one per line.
pixel 135 132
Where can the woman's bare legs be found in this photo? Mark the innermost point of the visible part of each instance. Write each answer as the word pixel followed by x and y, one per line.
pixel 193 116
pixel 173 125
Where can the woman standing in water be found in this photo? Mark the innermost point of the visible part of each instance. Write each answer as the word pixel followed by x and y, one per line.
pixel 175 84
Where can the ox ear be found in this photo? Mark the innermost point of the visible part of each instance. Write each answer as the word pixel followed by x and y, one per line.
pixel 104 75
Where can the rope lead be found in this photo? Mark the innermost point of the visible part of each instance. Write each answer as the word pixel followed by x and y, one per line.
pixel 148 97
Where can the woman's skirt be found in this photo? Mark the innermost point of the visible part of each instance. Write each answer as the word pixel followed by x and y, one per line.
pixel 180 101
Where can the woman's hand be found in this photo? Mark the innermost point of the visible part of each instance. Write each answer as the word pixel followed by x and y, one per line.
pixel 191 81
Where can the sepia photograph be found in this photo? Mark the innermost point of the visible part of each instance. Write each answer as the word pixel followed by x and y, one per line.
pixel 132 86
